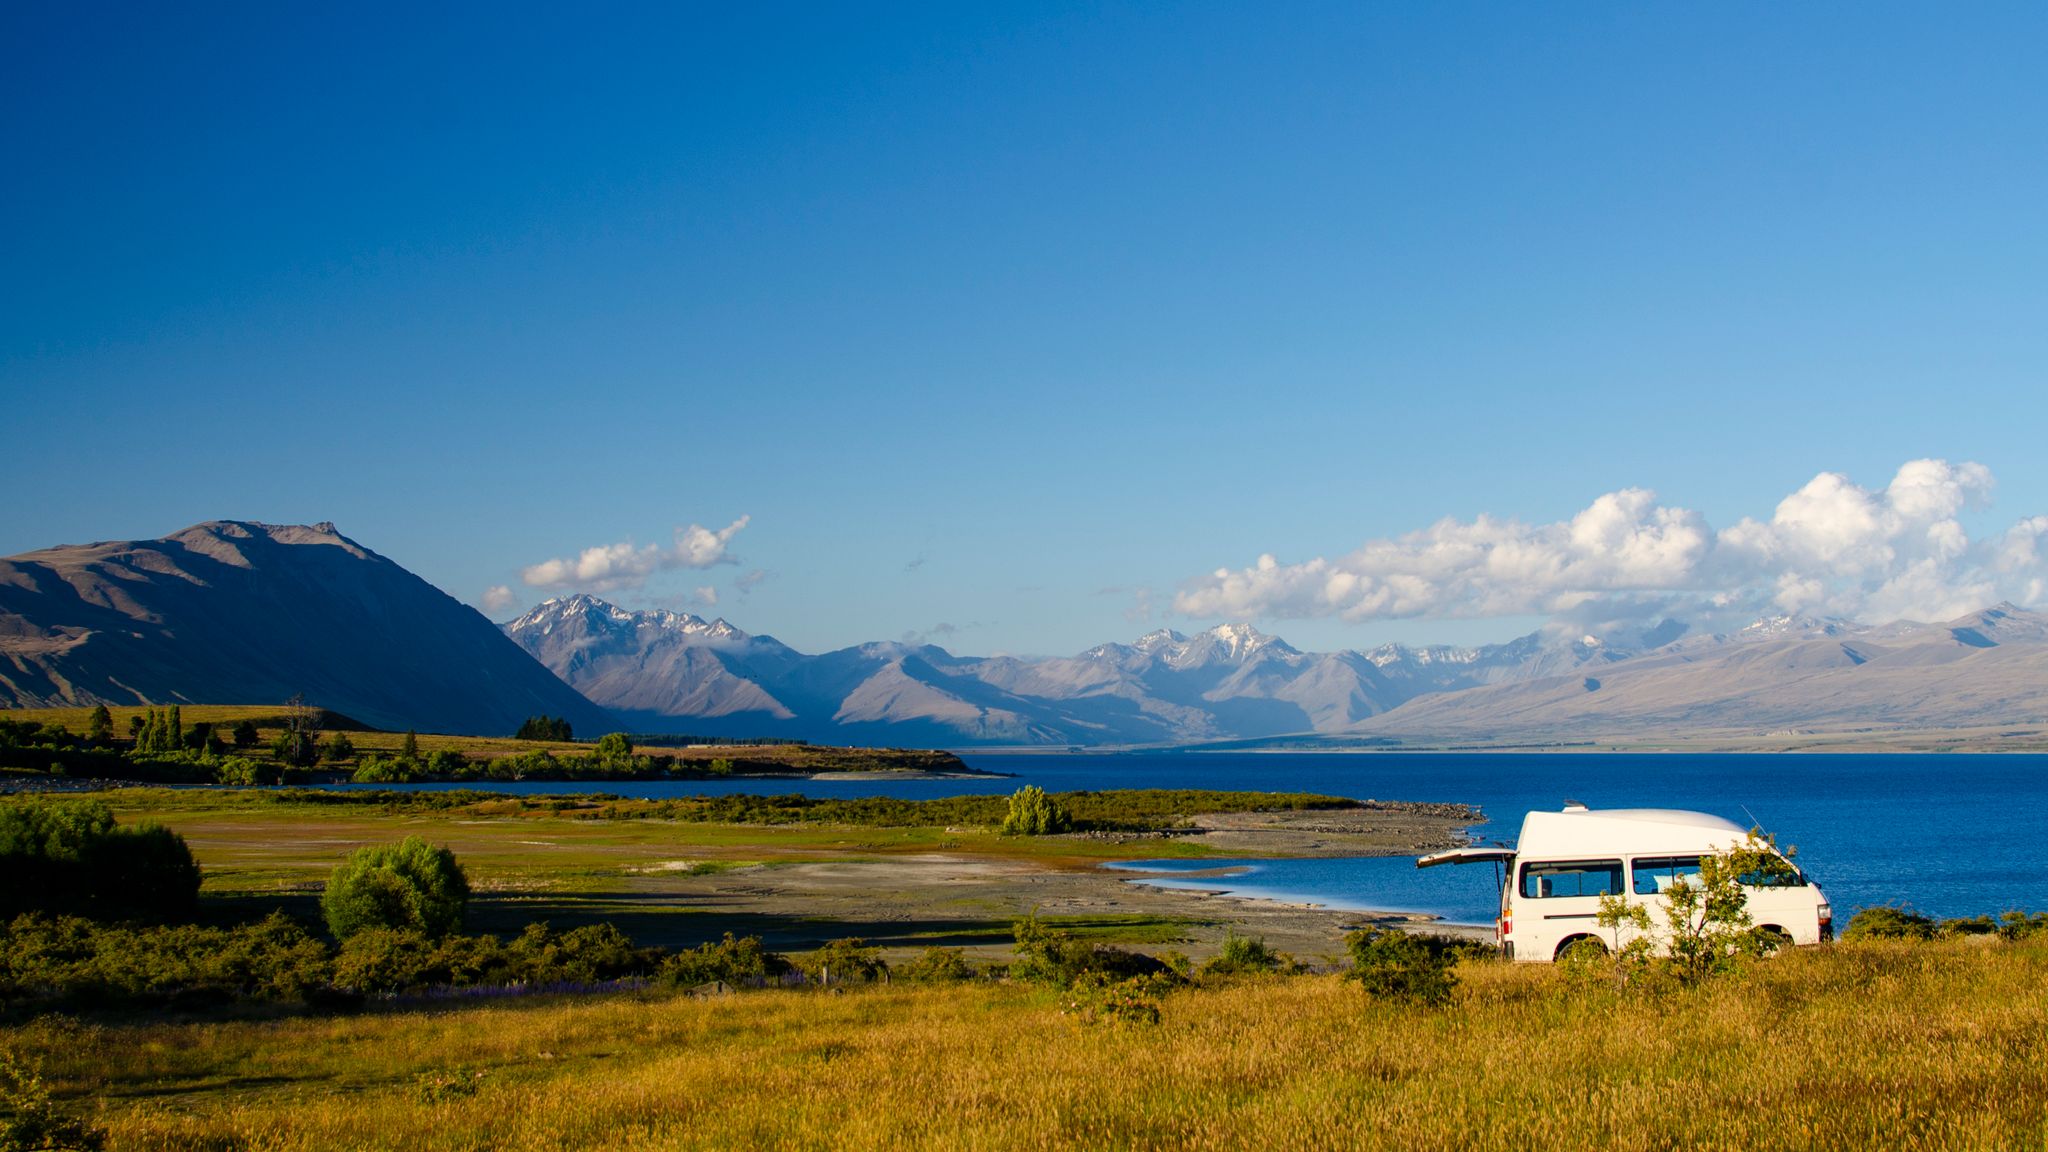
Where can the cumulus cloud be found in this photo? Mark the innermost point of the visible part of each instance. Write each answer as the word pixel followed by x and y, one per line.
pixel 1831 548
pixel 623 565
pixel 500 598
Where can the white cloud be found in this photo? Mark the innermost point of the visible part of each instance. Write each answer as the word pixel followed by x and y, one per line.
pixel 622 565
pixel 498 598
pixel 706 595
pixel 1831 548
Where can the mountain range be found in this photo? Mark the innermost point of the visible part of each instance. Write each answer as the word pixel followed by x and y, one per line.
pixel 670 671
pixel 240 612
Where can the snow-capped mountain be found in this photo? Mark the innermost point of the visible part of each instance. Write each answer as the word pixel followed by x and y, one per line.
pixel 675 672
pixel 670 671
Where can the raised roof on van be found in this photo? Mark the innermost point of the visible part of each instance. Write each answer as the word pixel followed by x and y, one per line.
pixel 1581 831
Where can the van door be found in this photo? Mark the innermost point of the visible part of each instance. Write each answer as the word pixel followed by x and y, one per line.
pixel 1557 901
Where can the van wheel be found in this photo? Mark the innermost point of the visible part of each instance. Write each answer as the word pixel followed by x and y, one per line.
pixel 1582 950
pixel 1771 940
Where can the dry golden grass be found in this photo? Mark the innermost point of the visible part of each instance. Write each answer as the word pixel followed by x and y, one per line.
pixel 1908 1047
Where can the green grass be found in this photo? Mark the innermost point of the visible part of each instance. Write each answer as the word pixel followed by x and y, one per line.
pixel 1928 1046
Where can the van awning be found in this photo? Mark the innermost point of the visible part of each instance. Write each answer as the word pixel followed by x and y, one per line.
pixel 1466 856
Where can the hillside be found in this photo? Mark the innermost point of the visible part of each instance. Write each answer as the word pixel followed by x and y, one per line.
pixel 1986 669
pixel 231 610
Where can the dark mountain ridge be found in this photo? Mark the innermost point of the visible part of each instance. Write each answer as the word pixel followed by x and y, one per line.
pixel 239 612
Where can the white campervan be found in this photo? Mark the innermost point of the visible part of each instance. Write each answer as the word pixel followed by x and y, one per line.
pixel 1564 862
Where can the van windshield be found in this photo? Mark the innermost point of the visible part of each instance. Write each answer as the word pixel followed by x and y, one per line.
pixel 1571 878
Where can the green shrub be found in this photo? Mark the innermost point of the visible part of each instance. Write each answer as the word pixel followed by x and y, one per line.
pixel 1033 813
pixel 374 769
pixel 1886 922
pixel 411 884
pixel 1246 955
pixel 1049 956
pixel 586 955
pixel 939 966
pixel 2021 926
pixel 72 960
pixel 844 961
pixel 337 748
pixel 67 857
pixel 380 959
pixel 1394 965
pixel 28 1119
pixel 736 961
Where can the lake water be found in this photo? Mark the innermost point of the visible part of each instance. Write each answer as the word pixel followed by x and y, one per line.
pixel 1953 835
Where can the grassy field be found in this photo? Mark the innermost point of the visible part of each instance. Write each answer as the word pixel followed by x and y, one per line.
pixel 269 721
pixel 527 861
pixel 1877 1045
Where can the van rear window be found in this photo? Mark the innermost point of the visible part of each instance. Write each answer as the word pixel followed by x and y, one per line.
pixel 1571 878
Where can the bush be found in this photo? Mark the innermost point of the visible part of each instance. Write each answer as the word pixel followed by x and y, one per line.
pixel 844 961
pixel 587 955
pixel 67 857
pixel 239 770
pixel 1049 956
pixel 378 770
pixel 1885 922
pixel 245 735
pixel 939 966
pixel 736 961
pixel 1033 813
pixel 28 1120
pixel 337 748
pixel 70 960
pixel 1394 965
pixel 1246 955
pixel 411 884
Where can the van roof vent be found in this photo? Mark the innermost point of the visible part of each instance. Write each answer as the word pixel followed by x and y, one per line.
pixel 1575 806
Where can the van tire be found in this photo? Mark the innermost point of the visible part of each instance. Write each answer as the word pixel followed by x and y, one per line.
pixel 1771 940
pixel 1581 948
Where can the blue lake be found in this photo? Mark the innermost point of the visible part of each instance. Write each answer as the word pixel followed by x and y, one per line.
pixel 1953 835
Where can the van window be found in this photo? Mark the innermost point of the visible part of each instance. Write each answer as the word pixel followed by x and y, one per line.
pixel 1571 878
pixel 1777 872
pixel 1654 874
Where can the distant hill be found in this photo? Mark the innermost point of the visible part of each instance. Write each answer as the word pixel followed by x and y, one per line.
pixel 1985 669
pixel 669 671
pixel 238 611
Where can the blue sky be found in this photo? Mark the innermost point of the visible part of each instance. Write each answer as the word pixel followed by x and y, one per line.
pixel 1009 327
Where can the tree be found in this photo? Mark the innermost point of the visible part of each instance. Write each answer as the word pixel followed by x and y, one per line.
pixel 245 735
pixel 299 743
pixel 411 884
pixel 338 748
pixel 99 728
pixel 1706 926
pixel 614 747
pixel 546 728
pixel 409 748
pixel 1033 813
pixel 67 857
